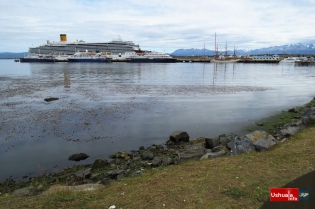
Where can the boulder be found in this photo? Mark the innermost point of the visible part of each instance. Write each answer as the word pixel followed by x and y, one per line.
pixel 192 152
pixel 261 140
pixel 27 191
pixel 198 140
pixel 83 174
pixel 241 145
pixel 210 155
pixel 156 162
pixel 179 136
pixel 147 155
pixel 265 144
pixel 220 148
pixel 167 161
pixel 293 110
pixel 223 139
pixel 115 173
pixel 106 181
pixel 120 176
pixel 212 142
pixel 290 131
pixel 257 135
pixel 308 116
pixel 78 157
pixel 50 99
pixel 99 163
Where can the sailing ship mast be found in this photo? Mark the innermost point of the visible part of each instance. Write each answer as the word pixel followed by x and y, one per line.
pixel 215 45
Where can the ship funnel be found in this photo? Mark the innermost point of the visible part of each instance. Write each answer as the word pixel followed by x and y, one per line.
pixel 63 37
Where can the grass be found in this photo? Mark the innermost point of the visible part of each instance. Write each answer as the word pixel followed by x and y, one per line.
pixel 270 123
pixel 241 181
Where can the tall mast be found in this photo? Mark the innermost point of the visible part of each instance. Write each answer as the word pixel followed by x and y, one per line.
pixel 204 49
pixel 234 52
pixel 215 45
pixel 226 49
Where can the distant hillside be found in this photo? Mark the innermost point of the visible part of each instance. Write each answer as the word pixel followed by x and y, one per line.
pixel 10 55
pixel 284 49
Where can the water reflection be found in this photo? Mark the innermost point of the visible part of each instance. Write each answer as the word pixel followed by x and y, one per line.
pixel 66 74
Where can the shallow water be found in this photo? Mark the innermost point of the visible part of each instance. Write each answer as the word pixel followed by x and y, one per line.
pixel 104 108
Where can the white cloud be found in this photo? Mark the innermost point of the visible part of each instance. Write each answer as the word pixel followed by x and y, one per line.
pixel 157 24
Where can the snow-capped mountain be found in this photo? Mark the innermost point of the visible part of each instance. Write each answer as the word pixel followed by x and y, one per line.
pixel 284 49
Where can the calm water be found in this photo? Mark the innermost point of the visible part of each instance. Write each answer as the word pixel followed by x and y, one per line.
pixel 104 108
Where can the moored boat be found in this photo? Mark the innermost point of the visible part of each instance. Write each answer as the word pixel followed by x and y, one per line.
pixel 223 59
pixel 88 57
pixel 38 58
pixel 289 60
pixel 150 57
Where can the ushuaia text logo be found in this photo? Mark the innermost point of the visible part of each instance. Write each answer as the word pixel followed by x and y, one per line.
pixel 284 194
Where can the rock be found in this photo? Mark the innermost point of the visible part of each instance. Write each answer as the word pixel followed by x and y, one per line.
pixel 257 135
pixel 296 122
pixel 78 157
pixel 156 162
pixel 147 155
pixel 27 191
pixel 265 144
pixel 261 140
pixel 114 173
pixel 179 136
pixel 141 148
pixel 123 167
pixel 167 161
pixel 121 155
pixel 293 110
pixel 106 181
pixel 223 139
pixel 241 145
pixel 198 140
pixel 212 142
pixel 120 176
pixel 135 174
pixel 192 152
pixel 83 174
pixel 50 99
pixel 290 131
pixel 85 181
pixel 79 188
pixel 210 155
pixel 98 163
pixel 309 116
pixel 219 148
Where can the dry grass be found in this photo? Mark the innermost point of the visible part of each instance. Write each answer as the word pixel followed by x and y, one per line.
pixel 241 181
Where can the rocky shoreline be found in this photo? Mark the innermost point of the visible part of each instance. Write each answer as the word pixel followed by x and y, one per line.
pixel 179 148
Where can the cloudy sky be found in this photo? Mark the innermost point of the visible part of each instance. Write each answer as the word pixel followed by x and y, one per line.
pixel 161 25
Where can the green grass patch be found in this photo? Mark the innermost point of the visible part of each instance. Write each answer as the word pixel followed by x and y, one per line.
pixel 235 192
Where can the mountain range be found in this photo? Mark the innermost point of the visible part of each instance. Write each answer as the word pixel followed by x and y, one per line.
pixel 284 49
pixel 12 55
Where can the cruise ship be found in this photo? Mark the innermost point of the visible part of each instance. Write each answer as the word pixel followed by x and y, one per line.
pixel 116 50
pixel 69 48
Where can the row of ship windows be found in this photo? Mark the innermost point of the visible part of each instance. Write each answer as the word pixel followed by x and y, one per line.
pixel 263 58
